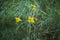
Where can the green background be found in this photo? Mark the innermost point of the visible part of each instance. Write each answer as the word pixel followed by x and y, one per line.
pixel 46 28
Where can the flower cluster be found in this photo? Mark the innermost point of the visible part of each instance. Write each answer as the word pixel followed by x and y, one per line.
pixel 33 7
pixel 29 20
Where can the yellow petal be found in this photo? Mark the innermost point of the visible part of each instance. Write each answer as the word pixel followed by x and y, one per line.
pixel 29 21
pixel 33 8
pixel 18 20
pixel 32 21
pixel 29 17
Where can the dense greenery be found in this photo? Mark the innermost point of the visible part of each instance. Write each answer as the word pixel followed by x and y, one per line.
pixel 46 25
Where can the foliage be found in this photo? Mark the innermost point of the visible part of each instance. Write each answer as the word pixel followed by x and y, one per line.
pixel 44 26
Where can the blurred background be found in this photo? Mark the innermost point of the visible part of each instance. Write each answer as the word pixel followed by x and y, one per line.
pixel 46 19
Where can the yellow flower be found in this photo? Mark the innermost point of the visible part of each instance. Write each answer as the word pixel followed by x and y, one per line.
pixel 33 7
pixel 18 19
pixel 31 19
